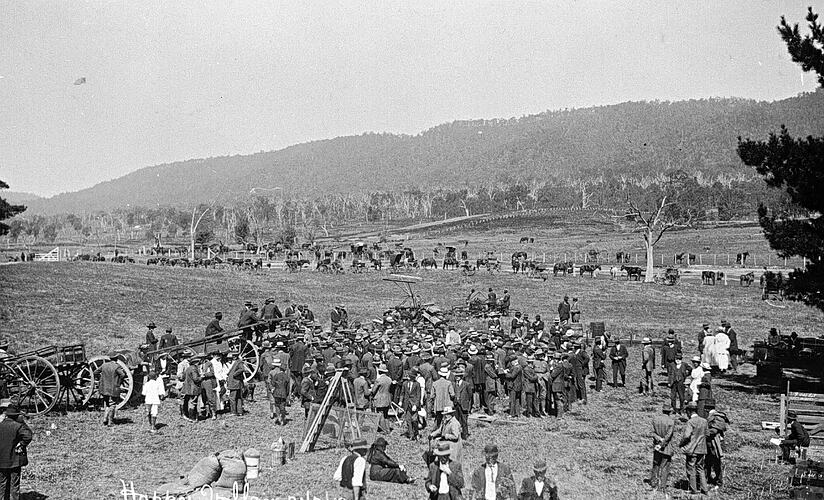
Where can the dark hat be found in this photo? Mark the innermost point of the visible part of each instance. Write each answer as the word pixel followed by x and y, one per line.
pixel 491 448
pixel 169 330
pixel 791 414
pixel 248 303
pixel 442 449
pixel 540 466
pixel 359 444
pixel 218 314
pixel 12 411
pixel 151 325
pixel 380 442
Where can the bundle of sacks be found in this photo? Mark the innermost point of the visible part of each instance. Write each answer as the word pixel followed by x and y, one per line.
pixel 213 477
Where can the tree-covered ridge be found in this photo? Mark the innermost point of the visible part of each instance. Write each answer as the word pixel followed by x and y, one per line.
pixel 633 142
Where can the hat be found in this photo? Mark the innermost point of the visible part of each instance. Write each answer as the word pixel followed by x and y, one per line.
pixel 307 369
pixel 540 466
pixel 330 368
pixel 5 402
pixel 448 410
pixel 705 366
pixel 248 303
pixel 473 350
pixel 442 449
pixel 792 414
pixel 667 408
pixel 151 325
pixel 646 340
pixel 276 362
pixel 380 442
pixel 705 325
pixel 359 444
pixel 443 372
pixel 12 411
pixel 218 314
pixel 169 329
pixel 696 359
pixel 556 320
pixel 491 448
pixel 382 368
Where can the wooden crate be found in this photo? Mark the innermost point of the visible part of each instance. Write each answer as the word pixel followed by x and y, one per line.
pixel 809 407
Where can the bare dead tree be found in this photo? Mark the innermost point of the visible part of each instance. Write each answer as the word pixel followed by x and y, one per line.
pixel 652 223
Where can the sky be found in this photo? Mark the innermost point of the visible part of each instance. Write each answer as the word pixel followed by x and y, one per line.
pixel 169 81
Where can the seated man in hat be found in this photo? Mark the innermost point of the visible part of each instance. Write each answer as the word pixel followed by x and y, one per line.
pixel 537 486
pixel 445 478
pixel 492 479
pixel 351 471
pixel 797 439
pixel 383 468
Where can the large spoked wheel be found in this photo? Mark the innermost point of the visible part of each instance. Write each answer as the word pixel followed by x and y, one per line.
pixel 126 387
pixel 33 384
pixel 78 385
pixel 168 361
pixel 250 357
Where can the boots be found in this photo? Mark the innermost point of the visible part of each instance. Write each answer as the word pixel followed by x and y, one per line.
pixel 252 393
pixel 152 424
pixel 112 415
pixel 106 412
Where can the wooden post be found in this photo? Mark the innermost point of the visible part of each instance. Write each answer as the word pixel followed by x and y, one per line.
pixel 769 260
pixel 544 256
pixel 782 415
pixel 662 259
pixel 700 259
pixel 728 259
pixel 715 259
pixel 753 261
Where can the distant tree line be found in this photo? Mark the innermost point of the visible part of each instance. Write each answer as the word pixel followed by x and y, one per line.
pixel 262 219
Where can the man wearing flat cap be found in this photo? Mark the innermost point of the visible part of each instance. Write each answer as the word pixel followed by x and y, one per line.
pixel 15 436
pixel 537 486
pixel 492 480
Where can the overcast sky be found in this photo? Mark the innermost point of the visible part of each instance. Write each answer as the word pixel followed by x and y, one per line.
pixel 170 81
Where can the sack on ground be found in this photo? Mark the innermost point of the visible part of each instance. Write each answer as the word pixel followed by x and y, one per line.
pixel 206 471
pixel 233 470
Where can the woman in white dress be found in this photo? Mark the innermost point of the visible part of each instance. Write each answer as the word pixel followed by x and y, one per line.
pixel 708 356
pixel 722 350
pixel 695 378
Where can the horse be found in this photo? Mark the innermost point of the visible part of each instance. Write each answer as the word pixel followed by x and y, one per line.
pixel 746 279
pixel 429 263
pixel 592 269
pixel 593 255
pixel 450 262
pixel 741 259
pixel 565 268
pixel 634 272
pixel 708 277
pixel 679 258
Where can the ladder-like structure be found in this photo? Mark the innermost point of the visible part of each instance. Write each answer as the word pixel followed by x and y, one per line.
pixel 350 413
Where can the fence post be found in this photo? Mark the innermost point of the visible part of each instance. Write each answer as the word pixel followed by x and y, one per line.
pixel 804 261
pixel 753 261
pixel 785 262
pixel 728 259
pixel 636 258
pixel 544 256
pixel 715 259
pixel 565 257
pixel 769 260
pixel 700 259
pixel 662 259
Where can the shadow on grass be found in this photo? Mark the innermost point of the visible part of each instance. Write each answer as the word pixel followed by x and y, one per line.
pixel 748 383
pixel 33 495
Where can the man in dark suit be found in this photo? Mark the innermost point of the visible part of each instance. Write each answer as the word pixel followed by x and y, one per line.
pixel 411 403
pixel 580 370
pixel 514 385
pixel 234 384
pixel 564 310
pixel 247 318
pixel 270 313
pixel 213 328
pixel 168 339
pixel 15 436
pixel 477 375
pixel 598 358
pixel 150 336
pixel 734 352
pixel 111 377
pixel 558 386
pixel 463 400
pixel 618 354
pixel 537 486
pixel 297 358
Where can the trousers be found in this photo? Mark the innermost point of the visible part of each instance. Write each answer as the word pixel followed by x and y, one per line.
pixel 10 484
pixel 514 403
pixel 695 473
pixel 531 405
pixel 715 471
pixel 600 377
pixel 677 393
pixel 619 368
pixel 659 477
pixel 236 401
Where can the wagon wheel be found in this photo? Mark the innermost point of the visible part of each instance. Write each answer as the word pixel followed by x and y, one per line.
pixel 78 384
pixel 33 384
pixel 126 387
pixel 250 357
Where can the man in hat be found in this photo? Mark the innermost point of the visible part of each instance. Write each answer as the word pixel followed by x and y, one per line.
pixel 339 318
pixel 491 300
pixel 491 384
pixel 538 486
pixel 270 313
pixel 598 365
pixel 351 471
pixel 394 365
pixel 663 447
pixel 704 390
pixel 235 381
pixel 618 354
pixel 514 387
pixel 208 384
pixel 168 339
pixel 541 367
pixel 797 439
pixel 410 403
pixel 558 385
pixel 112 375
pixel 361 389
pixel 705 330
pixel 150 336
pixel 297 358
pixel 492 479
pixel 716 427
pixel 648 367
pixel 278 384
pixel 213 328
pixel 580 370
pixel 452 337
pixel 677 380
pixel 564 311
pixel 463 400
pixel 449 431
pixel 191 389
pixel 734 351
pixel 443 393
pixel 15 436
pixel 668 353
pixel 307 392
pixel 477 375
pixel 382 398
pixel 530 388
pixel 694 445
pixel 445 478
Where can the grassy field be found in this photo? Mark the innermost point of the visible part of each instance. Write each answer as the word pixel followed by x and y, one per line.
pixel 598 451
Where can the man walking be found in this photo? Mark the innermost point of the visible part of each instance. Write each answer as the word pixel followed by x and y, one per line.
pixel 15 436
pixel 618 355
pixel 278 385
pixel 663 428
pixel 694 445
pixel 463 401
pixel 111 377
pixel 668 354
pixel 648 367
pixel 410 402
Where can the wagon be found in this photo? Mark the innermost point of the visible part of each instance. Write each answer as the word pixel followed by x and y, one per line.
pixel 538 272
pixel 467 269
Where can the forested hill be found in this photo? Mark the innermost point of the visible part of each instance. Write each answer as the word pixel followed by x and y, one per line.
pixel 636 140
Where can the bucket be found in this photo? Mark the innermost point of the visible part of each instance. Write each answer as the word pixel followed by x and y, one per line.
pixel 252 459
